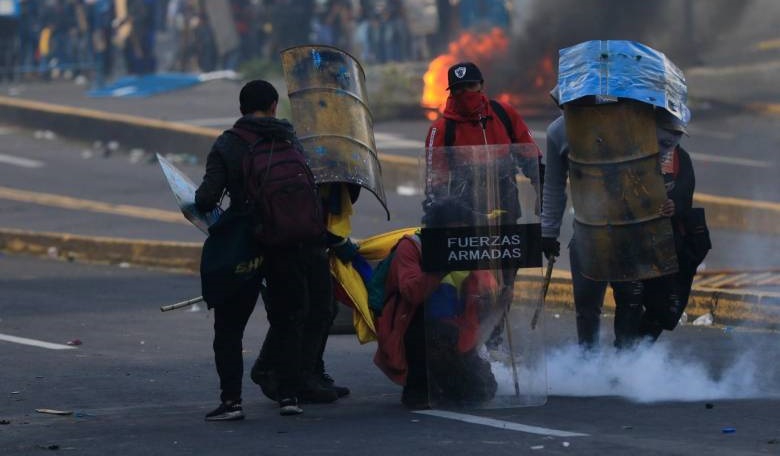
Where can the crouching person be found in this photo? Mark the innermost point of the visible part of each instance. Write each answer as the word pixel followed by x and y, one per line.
pixel 428 329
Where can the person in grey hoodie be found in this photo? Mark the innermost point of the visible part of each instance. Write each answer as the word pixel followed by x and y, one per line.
pixel 588 294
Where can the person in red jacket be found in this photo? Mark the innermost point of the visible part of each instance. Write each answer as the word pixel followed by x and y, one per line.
pixel 471 119
pixel 430 322
pixel 453 170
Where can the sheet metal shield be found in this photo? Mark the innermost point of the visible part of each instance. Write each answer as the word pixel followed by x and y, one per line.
pixel 617 190
pixel 328 100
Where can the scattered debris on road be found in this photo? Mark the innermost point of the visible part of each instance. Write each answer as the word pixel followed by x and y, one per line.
pixel 54 412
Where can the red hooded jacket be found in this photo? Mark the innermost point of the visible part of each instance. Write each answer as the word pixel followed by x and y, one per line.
pixel 409 287
pixel 468 131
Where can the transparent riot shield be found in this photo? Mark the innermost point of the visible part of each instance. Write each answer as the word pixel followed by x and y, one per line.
pixel 481 233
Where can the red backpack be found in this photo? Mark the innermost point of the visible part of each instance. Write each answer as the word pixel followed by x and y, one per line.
pixel 281 193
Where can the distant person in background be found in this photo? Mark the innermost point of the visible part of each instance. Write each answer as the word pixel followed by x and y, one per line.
pixel 290 24
pixel 139 49
pixel 394 33
pixel 484 14
pixel 367 32
pixel 29 31
pixel 100 17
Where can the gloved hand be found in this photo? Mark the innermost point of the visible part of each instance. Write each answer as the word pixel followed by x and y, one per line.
pixel 550 247
pixel 345 250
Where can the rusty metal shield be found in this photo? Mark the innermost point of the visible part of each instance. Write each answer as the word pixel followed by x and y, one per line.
pixel 617 190
pixel 327 94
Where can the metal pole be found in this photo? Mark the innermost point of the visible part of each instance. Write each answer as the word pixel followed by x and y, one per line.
pixel 181 304
pixel 545 287
pixel 511 350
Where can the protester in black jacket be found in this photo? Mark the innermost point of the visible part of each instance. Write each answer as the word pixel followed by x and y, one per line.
pixel 665 297
pixel 296 277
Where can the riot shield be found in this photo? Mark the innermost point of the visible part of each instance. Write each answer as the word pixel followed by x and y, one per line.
pixel 481 233
pixel 184 191
pixel 617 190
pixel 328 97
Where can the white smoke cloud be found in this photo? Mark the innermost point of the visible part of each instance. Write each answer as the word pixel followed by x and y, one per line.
pixel 652 373
pixel 648 373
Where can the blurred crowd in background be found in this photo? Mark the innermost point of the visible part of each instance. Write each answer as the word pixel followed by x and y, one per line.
pixel 99 39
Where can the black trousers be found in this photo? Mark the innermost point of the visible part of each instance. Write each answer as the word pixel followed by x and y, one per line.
pixel 230 319
pixel 455 377
pixel 317 333
pixel 589 299
pixel 299 303
pixel 665 299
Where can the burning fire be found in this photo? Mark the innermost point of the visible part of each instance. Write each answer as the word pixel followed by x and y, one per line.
pixel 482 49
pixel 469 46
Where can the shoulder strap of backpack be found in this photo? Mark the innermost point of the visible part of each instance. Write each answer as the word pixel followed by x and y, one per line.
pixel 449 132
pixel 449 128
pixel 449 140
pixel 504 117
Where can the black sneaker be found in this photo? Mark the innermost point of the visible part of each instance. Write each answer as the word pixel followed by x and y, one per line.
pixel 328 382
pixel 289 407
pixel 315 393
pixel 227 411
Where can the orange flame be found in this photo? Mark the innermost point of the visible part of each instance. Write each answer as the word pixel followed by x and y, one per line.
pixel 545 73
pixel 468 46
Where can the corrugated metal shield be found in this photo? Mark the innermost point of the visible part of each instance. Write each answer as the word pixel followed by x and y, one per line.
pixel 617 190
pixel 328 100
pixel 622 69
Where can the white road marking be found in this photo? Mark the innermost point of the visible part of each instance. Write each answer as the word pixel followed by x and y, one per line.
pixel 508 425
pixel 731 160
pixel 18 161
pixel 35 343
pixel 6 131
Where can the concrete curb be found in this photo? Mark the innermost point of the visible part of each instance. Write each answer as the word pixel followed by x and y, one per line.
pixel 182 256
pixel 167 137
pixel 744 308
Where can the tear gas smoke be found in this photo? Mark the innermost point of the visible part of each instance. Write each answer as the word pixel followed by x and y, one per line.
pixel 649 373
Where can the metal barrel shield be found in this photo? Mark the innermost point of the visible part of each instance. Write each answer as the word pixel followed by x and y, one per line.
pixel 481 234
pixel 327 94
pixel 617 190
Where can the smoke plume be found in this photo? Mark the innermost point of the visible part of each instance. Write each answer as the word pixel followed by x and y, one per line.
pixel 682 30
pixel 655 373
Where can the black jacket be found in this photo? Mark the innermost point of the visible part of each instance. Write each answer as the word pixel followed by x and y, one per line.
pixel 224 164
pixel 682 191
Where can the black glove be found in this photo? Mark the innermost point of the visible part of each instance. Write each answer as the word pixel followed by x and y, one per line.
pixel 345 250
pixel 550 247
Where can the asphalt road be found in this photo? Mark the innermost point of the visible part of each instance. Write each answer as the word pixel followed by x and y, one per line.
pixel 140 382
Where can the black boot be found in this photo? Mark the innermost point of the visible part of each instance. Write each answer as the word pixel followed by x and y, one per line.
pixel 314 392
pixel 328 382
